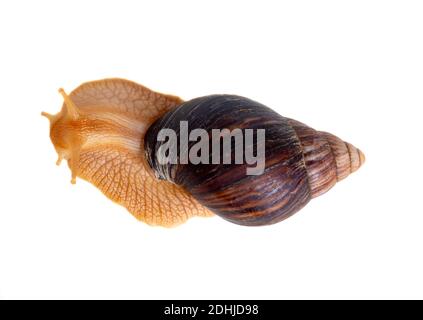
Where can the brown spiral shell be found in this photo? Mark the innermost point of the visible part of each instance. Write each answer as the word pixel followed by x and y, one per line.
pixel 300 162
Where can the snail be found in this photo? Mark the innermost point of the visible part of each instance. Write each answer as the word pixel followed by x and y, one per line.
pixel 109 133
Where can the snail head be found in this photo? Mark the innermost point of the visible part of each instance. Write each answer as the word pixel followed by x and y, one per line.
pixel 65 132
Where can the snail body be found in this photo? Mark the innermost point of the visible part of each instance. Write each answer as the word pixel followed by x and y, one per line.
pixel 108 132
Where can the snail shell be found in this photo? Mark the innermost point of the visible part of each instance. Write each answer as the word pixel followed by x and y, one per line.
pixel 107 131
pixel 300 162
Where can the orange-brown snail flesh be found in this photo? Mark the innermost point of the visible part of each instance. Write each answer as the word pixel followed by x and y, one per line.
pixel 100 131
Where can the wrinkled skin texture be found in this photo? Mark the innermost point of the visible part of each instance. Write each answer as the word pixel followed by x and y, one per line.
pixel 100 132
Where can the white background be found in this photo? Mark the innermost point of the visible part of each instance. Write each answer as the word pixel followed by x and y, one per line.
pixel 353 68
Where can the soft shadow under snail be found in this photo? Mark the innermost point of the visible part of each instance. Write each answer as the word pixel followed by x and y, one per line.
pixel 107 131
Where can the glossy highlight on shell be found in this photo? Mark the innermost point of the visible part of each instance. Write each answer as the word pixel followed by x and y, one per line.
pixel 107 132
